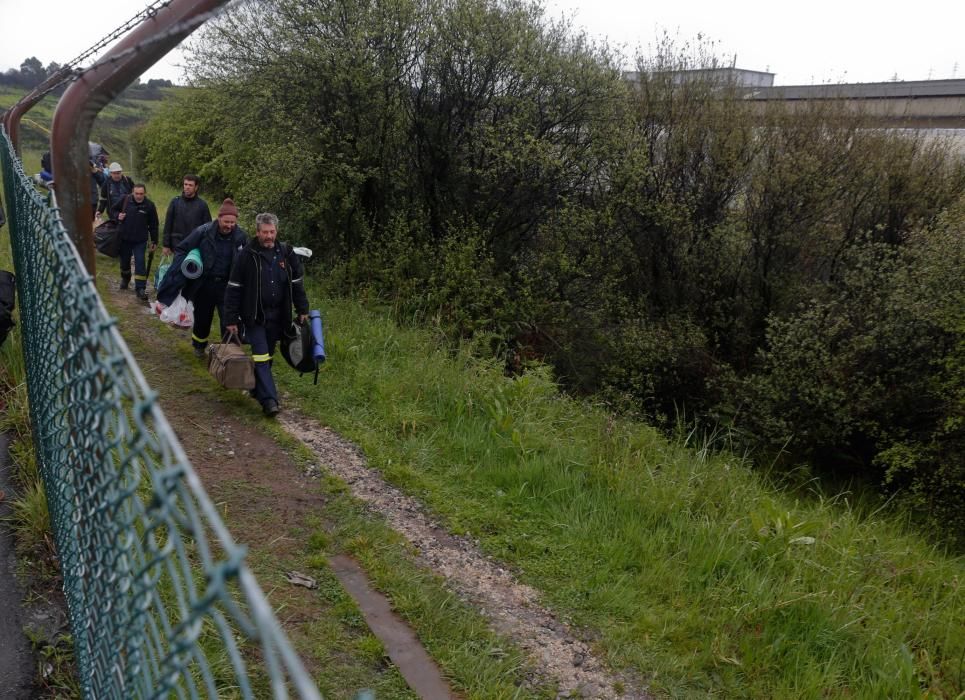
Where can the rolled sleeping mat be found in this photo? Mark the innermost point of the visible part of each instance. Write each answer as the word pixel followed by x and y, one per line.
pixel 192 268
pixel 318 351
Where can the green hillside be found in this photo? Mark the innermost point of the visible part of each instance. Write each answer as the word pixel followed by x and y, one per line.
pixel 112 128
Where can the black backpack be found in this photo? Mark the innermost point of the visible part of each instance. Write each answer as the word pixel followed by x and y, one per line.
pixel 8 301
pixel 297 346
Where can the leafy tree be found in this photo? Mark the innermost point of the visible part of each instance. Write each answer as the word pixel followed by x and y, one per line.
pixel 184 138
pixel 661 240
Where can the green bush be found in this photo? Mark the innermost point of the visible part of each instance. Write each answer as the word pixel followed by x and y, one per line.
pixel 663 241
pixel 870 377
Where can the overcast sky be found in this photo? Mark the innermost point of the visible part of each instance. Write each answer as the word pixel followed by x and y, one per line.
pixel 801 42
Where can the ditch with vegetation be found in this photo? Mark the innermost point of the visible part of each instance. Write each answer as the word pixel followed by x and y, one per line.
pixel 693 374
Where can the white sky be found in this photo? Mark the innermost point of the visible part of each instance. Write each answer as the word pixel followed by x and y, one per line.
pixel 801 42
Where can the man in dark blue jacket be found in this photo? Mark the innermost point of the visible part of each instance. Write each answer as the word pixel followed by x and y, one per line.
pixel 137 216
pixel 266 281
pixel 186 212
pixel 219 243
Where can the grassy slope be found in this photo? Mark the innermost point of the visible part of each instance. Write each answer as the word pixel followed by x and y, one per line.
pixel 331 634
pixel 111 128
pixel 688 566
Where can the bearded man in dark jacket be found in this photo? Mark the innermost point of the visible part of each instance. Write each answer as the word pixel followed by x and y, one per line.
pixel 266 282
pixel 219 242
pixel 186 212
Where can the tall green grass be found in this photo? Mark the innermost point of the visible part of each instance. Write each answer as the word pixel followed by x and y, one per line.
pixel 684 563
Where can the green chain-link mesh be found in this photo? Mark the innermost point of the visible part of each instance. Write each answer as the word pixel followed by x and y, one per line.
pixel 161 603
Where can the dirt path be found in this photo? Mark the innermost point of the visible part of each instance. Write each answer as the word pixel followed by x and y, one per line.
pixel 231 454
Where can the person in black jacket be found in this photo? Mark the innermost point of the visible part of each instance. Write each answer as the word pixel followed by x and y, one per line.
pixel 115 188
pixel 219 242
pixel 97 179
pixel 137 216
pixel 266 281
pixel 186 212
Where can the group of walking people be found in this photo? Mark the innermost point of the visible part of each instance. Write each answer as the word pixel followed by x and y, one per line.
pixel 254 283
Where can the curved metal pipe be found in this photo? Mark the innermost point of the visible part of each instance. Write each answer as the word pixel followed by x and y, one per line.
pixel 91 92
pixel 11 118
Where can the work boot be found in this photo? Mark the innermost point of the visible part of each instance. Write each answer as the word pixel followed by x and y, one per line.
pixel 199 351
pixel 125 282
pixel 141 294
pixel 270 408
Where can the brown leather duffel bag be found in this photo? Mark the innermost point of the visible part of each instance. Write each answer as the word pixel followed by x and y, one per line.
pixel 231 365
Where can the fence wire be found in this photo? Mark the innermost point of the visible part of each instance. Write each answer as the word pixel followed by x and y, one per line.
pixel 160 600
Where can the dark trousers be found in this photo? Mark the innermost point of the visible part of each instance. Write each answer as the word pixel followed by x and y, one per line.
pixel 263 340
pixel 125 251
pixel 208 298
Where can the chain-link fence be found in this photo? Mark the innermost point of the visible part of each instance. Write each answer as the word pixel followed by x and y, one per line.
pixel 160 600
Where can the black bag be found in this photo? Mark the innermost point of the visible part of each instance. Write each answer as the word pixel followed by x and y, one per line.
pixel 107 238
pixel 8 301
pixel 297 346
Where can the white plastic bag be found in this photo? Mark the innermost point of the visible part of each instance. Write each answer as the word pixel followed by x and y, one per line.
pixel 180 313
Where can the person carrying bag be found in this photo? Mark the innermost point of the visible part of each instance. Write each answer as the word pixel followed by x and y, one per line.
pixel 107 235
pixel 230 365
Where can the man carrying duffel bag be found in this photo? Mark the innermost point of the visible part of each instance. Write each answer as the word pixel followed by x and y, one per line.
pixel 265 283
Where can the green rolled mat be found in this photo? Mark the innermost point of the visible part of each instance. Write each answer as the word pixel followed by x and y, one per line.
pixel 192 267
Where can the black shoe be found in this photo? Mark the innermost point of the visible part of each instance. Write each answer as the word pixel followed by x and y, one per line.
pixel 198 351
pixel 125 284
pixel 141 294
pixel 270 408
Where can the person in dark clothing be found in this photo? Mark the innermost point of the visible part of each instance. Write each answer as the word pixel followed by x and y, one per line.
pixel 97 180
pixel 266 281
pixel 219 242
pixel 138 220
pixel 114 189
pixel 186 212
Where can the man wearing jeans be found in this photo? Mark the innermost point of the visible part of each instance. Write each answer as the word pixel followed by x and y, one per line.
pixel 138 222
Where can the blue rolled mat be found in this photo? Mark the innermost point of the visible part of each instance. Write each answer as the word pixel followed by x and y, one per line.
pixel 318 350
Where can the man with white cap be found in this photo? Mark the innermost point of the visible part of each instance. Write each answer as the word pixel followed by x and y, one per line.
pixel 114 190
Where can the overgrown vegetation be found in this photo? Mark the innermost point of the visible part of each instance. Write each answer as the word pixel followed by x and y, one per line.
pixel 682 562
pixel 794 278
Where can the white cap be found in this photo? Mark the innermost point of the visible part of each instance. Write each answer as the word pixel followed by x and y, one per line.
pixel 304 252
pixel 115 167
